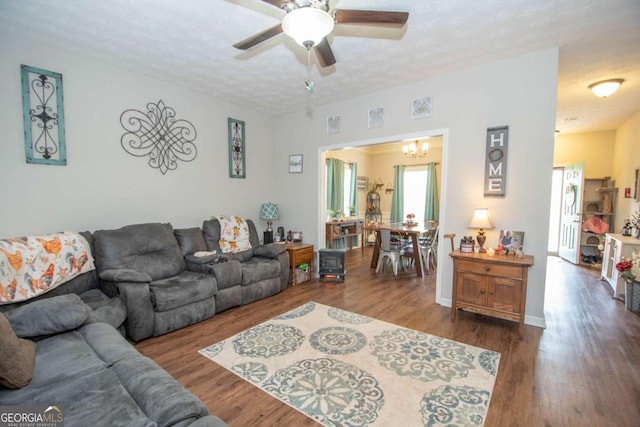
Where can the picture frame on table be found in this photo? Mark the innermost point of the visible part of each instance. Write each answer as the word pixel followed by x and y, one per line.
pixel 511 240
pixel 295 163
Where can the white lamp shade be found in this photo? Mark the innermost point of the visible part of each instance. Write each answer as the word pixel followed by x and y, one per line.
pixel 481 219
pixel 605 87
pixel 307 25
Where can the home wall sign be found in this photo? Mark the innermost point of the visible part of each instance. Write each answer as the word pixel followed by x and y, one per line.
pixel 495 171
pixel 157 134
pixel 237 154
pixel 43 116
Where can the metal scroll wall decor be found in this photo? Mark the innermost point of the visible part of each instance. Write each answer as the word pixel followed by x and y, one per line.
pixel 236 148
pixel 43 116
pixel 158 135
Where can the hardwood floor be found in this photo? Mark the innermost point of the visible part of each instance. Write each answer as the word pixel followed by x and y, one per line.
pixel 582 370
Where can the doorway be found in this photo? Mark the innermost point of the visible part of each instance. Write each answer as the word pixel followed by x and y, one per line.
pixel 378 143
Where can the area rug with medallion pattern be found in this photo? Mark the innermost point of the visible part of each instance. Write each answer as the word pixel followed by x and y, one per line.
pixel 344 369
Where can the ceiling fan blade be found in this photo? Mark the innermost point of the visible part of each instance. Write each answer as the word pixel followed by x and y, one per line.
pixel 277 3
pixel 325 54
pixel 259 38
pixel 350 16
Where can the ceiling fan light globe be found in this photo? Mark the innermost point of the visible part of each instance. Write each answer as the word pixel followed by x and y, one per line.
pixel 307 25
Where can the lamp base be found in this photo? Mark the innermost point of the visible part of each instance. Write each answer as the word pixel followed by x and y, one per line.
pixel 481 238
pixel 268 237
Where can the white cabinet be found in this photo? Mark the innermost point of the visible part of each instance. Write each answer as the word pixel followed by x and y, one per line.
pixel 617 247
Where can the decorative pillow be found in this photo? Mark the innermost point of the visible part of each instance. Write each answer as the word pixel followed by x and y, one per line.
pixel 190 240
pixel 17 357
pixel 48 316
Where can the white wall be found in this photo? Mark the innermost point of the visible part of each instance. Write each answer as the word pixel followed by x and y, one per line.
pixel 520 93
pixel 102 186
pixel 626 159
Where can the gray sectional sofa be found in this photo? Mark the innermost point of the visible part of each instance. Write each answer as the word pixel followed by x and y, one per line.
pixel 92 374
pixel 149 280
pixel 166 287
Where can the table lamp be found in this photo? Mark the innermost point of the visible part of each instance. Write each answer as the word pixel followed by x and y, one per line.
pixel 269 211
pixel 481 220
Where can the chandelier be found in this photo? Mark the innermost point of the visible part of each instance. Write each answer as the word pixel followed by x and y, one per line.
pixel 411 150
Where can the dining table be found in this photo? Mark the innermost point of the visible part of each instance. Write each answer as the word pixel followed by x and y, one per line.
pixel 404 231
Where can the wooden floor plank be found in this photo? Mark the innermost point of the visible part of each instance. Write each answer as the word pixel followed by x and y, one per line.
pixel 582 370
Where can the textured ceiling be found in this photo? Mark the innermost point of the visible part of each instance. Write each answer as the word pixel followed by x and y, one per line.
pixel 189 43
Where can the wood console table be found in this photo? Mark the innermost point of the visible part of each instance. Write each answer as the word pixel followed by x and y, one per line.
pixel 349 229
pixel 495 286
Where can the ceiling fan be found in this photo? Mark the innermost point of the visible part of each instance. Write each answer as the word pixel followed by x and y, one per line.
pixel 308 22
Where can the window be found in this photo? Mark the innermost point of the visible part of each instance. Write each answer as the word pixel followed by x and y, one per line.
pixel 347 189
pixel 415 190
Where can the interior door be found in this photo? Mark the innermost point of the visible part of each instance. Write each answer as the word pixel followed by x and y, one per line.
pixel 570 220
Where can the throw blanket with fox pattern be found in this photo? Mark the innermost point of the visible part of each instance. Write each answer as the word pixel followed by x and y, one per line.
pixel 234 234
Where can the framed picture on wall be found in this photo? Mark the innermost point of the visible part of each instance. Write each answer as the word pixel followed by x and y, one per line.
pixel 295 163
pixel 237 155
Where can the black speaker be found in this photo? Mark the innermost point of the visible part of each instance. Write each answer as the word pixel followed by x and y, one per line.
pixel 268 237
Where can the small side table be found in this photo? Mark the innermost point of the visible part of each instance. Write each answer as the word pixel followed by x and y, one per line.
pixel 299 253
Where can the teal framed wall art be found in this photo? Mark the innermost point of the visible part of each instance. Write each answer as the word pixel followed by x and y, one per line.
pixel 43 116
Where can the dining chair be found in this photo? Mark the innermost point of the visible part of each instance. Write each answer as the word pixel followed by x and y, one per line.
pixel 429 250
pixel 427 246
pixel 389 250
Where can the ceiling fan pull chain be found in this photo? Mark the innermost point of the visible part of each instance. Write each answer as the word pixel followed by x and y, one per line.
pixel 308 84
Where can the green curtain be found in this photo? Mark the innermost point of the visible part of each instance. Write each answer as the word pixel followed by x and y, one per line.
pixel 397 201
pixel 335 185
pixel 353 199
pixel 432 203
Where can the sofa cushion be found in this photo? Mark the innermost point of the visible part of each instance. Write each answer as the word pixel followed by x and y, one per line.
pixel 190 240
pixel 258 269
pixel 125 275
pixel 183 289
pixel 104 309
pixel 147 248
pixel 17 356
pixel 227 274
pixel 157 393
pixel 48 316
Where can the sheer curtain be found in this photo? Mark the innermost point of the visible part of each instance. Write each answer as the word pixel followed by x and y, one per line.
pixel 431 204
pixel 353 194
pixel 397 201
pixel 335 185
